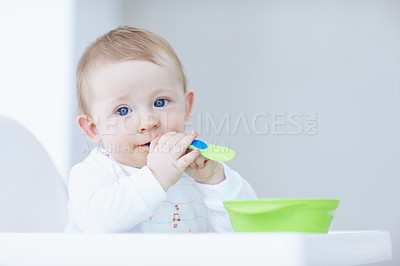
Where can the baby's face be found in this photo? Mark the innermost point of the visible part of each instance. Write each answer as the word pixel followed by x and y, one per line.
pixel 132 102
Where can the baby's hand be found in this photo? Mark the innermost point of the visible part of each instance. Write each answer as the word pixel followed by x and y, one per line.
pixel 165 158
pixel 206 171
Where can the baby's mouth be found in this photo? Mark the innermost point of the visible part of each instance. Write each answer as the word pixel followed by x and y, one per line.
pixel 144 146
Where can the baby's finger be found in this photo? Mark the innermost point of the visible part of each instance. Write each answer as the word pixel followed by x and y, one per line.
pixel 200 161
pixel 173 143
pixel 154 142
pixel 162 143
pixel 182 145
pixel 187 159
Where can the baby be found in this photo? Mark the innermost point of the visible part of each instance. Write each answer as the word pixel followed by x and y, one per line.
pixel 134 102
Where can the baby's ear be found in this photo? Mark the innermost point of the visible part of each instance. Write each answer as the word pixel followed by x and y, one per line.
pixel 189 100
pixel 88 127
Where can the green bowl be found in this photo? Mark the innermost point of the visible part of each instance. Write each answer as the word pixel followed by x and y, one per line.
pixel 281 215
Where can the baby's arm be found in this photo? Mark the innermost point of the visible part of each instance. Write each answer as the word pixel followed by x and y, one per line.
pixel 234 187
pixel 100 205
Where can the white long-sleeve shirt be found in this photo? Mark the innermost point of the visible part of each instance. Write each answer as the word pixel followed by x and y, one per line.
pixel 106 196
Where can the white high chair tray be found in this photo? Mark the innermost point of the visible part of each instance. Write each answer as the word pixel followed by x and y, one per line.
pixel 277 249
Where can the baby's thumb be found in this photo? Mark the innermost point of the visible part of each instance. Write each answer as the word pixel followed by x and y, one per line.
pixel 187 159
pixel 154 142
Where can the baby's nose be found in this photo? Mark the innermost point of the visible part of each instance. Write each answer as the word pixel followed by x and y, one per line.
pixel 147 122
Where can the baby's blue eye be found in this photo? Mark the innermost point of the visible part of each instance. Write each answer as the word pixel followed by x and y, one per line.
pixel 161 102
pixel 123 111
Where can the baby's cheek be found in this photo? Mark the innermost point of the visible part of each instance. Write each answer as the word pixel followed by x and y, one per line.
pixel 129 125
pixel 175 122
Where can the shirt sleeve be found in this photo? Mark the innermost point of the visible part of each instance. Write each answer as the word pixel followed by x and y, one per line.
pixel 97 205
pixel 234 187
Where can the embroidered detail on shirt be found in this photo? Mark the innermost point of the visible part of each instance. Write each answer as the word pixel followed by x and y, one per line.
pixel 182 220
pixel 176 219
pixel 182 203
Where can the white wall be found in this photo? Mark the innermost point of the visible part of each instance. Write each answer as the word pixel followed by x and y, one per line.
pixel 34 71
pixel 338 59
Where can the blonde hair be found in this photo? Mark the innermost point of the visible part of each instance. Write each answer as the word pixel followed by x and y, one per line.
pixel 122 44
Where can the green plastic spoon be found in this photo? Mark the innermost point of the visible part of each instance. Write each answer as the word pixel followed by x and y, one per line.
pixel 212 151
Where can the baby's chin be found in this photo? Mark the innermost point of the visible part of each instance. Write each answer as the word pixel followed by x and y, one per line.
pixel 136 159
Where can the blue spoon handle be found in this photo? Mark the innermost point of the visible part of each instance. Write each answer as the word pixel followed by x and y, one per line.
pixel 201 145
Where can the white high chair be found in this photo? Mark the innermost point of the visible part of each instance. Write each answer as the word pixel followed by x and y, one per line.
pixel 33 197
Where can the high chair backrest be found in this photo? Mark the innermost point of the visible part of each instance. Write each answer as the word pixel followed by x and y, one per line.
pixel 33 197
